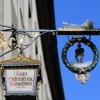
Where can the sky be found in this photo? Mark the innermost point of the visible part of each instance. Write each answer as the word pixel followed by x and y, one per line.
pixel 77 12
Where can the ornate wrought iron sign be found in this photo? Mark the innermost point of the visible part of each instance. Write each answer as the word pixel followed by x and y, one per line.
pixel 80 67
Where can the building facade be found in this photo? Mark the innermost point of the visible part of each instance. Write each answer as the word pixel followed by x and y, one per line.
pixel 35 14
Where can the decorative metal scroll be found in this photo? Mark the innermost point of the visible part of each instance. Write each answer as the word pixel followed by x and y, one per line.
pixel 86 42
pixel 20 43
pixel 3 40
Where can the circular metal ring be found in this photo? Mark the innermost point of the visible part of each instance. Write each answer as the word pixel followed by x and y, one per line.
pixel 86 42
